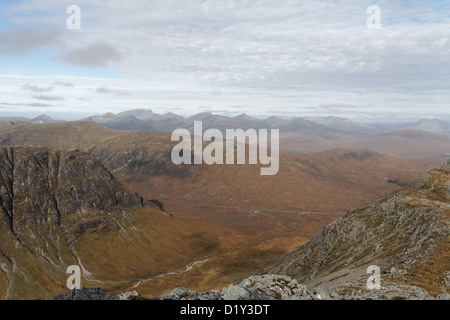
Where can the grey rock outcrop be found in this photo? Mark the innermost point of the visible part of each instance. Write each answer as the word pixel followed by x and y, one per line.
pixel 128 295
pixel 279 287
pixel 86 294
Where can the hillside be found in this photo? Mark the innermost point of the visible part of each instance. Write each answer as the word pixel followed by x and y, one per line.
pixel 410 144
pixel 231 216
pixel 425 141
pixel 141 160
pixel 405 233
pixel 60 208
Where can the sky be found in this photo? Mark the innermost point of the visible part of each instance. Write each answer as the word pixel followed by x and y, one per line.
pixel 260 57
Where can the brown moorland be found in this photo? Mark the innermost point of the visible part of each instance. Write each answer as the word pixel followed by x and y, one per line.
pixel 234 218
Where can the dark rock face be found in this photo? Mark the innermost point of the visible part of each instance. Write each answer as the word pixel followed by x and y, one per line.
pixel 42 187
pixel 86 294
pixel 59 182
pixel 50 202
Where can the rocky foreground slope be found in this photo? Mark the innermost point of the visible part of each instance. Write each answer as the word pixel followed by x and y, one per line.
pixel 279 287
pixel 405 233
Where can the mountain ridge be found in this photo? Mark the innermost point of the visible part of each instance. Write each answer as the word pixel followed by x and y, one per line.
pixel 405 232
pixel 325 126
pixel 61 208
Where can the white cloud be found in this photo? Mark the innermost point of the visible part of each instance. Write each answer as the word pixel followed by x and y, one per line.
pixel 263 54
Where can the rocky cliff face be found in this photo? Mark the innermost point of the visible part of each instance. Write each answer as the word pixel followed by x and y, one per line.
pixel 49 201
pixel 41 187
pixel 405 233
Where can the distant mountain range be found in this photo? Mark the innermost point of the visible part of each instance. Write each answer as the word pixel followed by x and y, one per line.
pixel 326 127
pixel 427 141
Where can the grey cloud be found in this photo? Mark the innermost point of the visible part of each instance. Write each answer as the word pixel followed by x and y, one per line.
pixel 34 105
pixel 25 40
pixel 48 98
pixel 106 90
pixel 337 107
pixel 39 105
pixel 63 84
pixel 94 55
pixel 34 88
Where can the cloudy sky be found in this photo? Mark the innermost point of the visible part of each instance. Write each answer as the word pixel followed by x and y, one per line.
pixel 262 57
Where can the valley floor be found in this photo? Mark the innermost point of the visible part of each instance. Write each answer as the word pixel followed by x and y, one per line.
pixel 247 242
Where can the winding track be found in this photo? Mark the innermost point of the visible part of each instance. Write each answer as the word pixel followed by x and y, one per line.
pixel 189 267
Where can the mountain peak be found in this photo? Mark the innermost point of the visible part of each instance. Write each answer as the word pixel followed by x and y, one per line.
pixel 200 116
pixel 108 115
pixel 42 119
pixel 244 116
